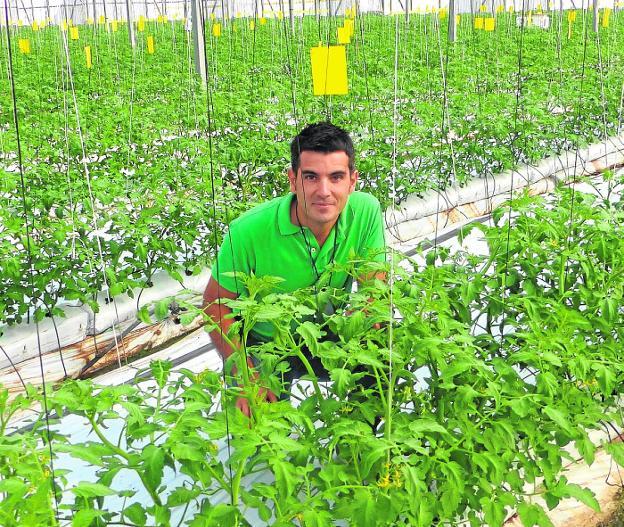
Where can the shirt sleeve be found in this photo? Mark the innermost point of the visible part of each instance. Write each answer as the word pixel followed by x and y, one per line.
pixel 375 240
pixel 232 257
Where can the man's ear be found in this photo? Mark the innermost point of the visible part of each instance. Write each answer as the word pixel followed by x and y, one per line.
pixel 292 178
pixel 354 177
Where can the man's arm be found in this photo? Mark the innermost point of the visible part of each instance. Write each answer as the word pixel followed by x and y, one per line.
pixel 220 314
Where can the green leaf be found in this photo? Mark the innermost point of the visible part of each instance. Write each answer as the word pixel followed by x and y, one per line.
pixel 617 451
pixel 363 509
pixel 85 517
pixel 427 425
pixel 311 335
pixel 154 459
pixel 13 486
pixel 342 381
pixel 585 496
pixel 90 452
pixel 136 514
pixel 532 514
pixel 116 289
pixel 143 316
pixel 181 496
pixel 160 371
pixel 317 518
pixel 161 309
pixel 285 477
pixel 86 489
pixel 559 419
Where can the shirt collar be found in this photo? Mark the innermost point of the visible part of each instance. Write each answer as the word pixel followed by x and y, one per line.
pixel 287 227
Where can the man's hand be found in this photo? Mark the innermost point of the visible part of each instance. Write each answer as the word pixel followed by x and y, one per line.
pixel 264 395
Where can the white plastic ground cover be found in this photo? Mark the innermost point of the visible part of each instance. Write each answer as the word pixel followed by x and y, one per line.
pixel 419 216
pixel 25 341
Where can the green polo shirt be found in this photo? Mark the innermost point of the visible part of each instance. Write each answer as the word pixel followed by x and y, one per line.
pixel 264 241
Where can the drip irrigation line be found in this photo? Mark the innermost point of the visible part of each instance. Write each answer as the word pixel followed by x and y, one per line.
pixel 29 255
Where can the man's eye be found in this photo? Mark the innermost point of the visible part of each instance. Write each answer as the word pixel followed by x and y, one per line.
pixel 309 177
pixel 337 177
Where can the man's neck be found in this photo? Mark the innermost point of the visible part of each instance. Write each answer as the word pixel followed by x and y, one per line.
pixel 320 232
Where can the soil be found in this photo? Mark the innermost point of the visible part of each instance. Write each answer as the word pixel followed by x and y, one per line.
pixel 617 518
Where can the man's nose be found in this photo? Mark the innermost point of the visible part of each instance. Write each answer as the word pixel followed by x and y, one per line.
pixel 323 187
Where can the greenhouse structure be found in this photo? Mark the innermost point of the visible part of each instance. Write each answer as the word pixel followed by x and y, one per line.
pixel 311 263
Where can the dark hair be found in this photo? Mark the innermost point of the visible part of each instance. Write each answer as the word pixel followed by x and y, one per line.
pixel 321 137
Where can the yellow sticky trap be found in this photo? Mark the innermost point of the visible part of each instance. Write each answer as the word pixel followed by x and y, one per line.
pixel 159 19
pixel 511 9
pixel 457 19
pixel 88 57
pixel 165 18
pixel 90 21
pixel 571 16
pixel 63 26
pixel 216 30
pixel 539 9
pixel 500 8
pixel 478 22
pixel 349 24
pixel 489 24
pixel 262 21
pixel 344 36
pixel 102 20
pixel 483 9
pixel 20 23
pixel 280 15
pixel 24 45
pixel 238 15
pixel 212 17
pixel 114 25
pixel 141 25
pixel 443 13
pixel 252 25
pixel 569 30
pixel 150 45
pixel 73 33
pixel 329 70
pixel 606 13
pixel 35 25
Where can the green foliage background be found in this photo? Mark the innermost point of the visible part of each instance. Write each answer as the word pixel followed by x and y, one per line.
pixel 169 165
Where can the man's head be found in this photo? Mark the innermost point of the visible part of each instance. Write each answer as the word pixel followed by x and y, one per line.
pixel 322 174
pixel 321 137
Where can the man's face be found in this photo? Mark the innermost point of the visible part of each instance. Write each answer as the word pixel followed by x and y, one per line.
pixel 322 185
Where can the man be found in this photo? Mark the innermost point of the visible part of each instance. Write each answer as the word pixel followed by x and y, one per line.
pixel 295 237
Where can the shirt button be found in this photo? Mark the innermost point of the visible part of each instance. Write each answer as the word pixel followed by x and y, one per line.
pixel 313 249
